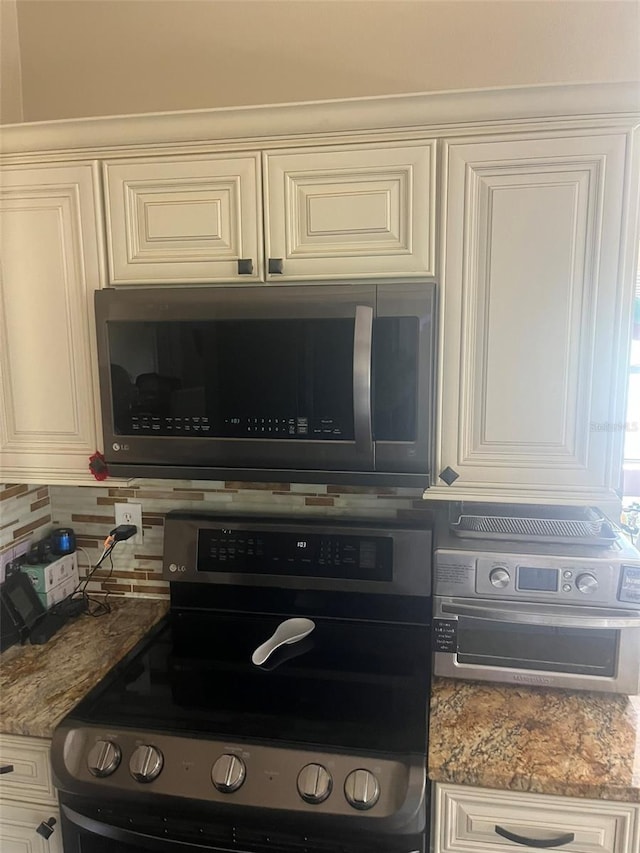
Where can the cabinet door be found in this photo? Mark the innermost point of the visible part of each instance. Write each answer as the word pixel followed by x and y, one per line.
pixel 531 386
pixel 478 820
pixel 51 264
pixel 184 219
pixel 26 772
pixel 362 211
pixel 18 829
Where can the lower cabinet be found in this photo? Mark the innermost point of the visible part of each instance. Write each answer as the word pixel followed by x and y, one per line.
pixel 29 816
pixel 479 820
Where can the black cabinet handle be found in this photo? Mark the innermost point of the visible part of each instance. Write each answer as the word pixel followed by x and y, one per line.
pixel 6 768
pixel 46 828
pixel 275 266
pixel 449 475
pixel 560 841
pixel 245 266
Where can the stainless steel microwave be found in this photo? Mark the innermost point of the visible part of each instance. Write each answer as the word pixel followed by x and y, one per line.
pixel 313 383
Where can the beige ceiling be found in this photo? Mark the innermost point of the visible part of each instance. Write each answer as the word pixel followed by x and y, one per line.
pixel 102 57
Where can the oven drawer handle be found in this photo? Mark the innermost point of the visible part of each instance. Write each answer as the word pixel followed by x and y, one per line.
pixel 560 841
pixel 553 620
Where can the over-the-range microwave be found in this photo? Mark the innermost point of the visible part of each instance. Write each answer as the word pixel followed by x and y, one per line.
pixel 287 383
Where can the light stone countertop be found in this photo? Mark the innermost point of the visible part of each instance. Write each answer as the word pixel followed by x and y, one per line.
pixel 539 740
pixel 40 684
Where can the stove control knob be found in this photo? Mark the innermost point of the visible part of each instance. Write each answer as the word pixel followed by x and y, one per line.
pixel 228 773
pixel 314 783
pixel 499 577
pixel 104 758
pixel 586 583
pixel 361 789
pixel 146 763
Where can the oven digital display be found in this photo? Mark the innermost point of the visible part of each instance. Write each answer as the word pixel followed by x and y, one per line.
pixel 537 580
pixel 314 555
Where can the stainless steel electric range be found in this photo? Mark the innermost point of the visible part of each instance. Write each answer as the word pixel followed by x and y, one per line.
pixel 282 705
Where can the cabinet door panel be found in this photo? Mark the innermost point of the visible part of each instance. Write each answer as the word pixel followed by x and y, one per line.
pixel 50 267
pixel 30 778
pixel 18 829
pixel 183 220
pixel 365 211
pixel 466 819
pixel 530 326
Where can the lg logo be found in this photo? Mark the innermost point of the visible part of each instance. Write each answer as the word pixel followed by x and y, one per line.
pixel 175 568
pixel 115 446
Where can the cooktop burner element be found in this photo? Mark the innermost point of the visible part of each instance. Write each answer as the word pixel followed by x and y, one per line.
pixel 326 738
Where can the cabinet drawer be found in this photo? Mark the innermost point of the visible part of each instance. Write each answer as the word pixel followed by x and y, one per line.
pixel 30 778
pixel 18 829
pixel 470 820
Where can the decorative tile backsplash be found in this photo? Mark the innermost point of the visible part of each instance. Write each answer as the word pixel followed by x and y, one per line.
pixel 137 570
pixel 25 515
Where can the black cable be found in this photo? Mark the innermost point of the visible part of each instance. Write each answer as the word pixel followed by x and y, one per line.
pixel 77 602
pixel 102 607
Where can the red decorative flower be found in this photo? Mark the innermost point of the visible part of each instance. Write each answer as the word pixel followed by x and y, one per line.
pixel 98 466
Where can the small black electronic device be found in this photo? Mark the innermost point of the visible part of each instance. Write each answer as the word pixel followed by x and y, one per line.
pixel 46 627
pixel 40 552
pixel 21 608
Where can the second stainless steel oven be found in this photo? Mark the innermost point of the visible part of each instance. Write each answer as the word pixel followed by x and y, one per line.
pixel 552 615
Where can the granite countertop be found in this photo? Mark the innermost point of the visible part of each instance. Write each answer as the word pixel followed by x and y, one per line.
pixel 535 739
pixel 40 684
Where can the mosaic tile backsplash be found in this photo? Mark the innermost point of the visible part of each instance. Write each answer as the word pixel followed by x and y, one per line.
pixel 25 516
pixel 137 570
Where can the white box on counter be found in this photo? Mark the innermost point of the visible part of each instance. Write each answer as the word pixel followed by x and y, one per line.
pixel 46 576
pixel 62 590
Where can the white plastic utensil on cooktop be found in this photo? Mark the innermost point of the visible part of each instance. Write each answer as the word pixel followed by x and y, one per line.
pixel 287 632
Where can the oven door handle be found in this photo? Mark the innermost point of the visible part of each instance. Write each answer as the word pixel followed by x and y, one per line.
pixel 547 619
pixel 362 348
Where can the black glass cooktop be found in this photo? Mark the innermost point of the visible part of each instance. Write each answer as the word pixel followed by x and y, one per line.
pixel 349 685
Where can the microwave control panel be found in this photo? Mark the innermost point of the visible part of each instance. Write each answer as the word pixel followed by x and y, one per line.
pixel 558 580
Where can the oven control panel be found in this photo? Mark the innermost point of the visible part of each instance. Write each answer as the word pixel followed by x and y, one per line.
pixel 533 578
pixel 86 759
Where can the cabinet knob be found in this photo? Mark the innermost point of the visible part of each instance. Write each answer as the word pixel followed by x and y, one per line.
pixel 449 475
pixel 46 828
pixel 6 768
pixel 245 266
pixel 275 266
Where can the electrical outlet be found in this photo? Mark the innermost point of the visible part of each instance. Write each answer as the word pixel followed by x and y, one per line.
pixel 130 514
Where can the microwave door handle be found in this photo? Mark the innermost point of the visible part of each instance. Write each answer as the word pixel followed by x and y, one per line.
pixel 362 343
pixel 546 619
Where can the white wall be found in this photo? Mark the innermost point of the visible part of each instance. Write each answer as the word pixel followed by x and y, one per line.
pixel 10 87
pixel 104 57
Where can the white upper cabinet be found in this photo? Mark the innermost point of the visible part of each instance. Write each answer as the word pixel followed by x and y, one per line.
pixel 186 219
pixel 330 213
pixel 338 212
pixel 532 310
pixel 51 264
